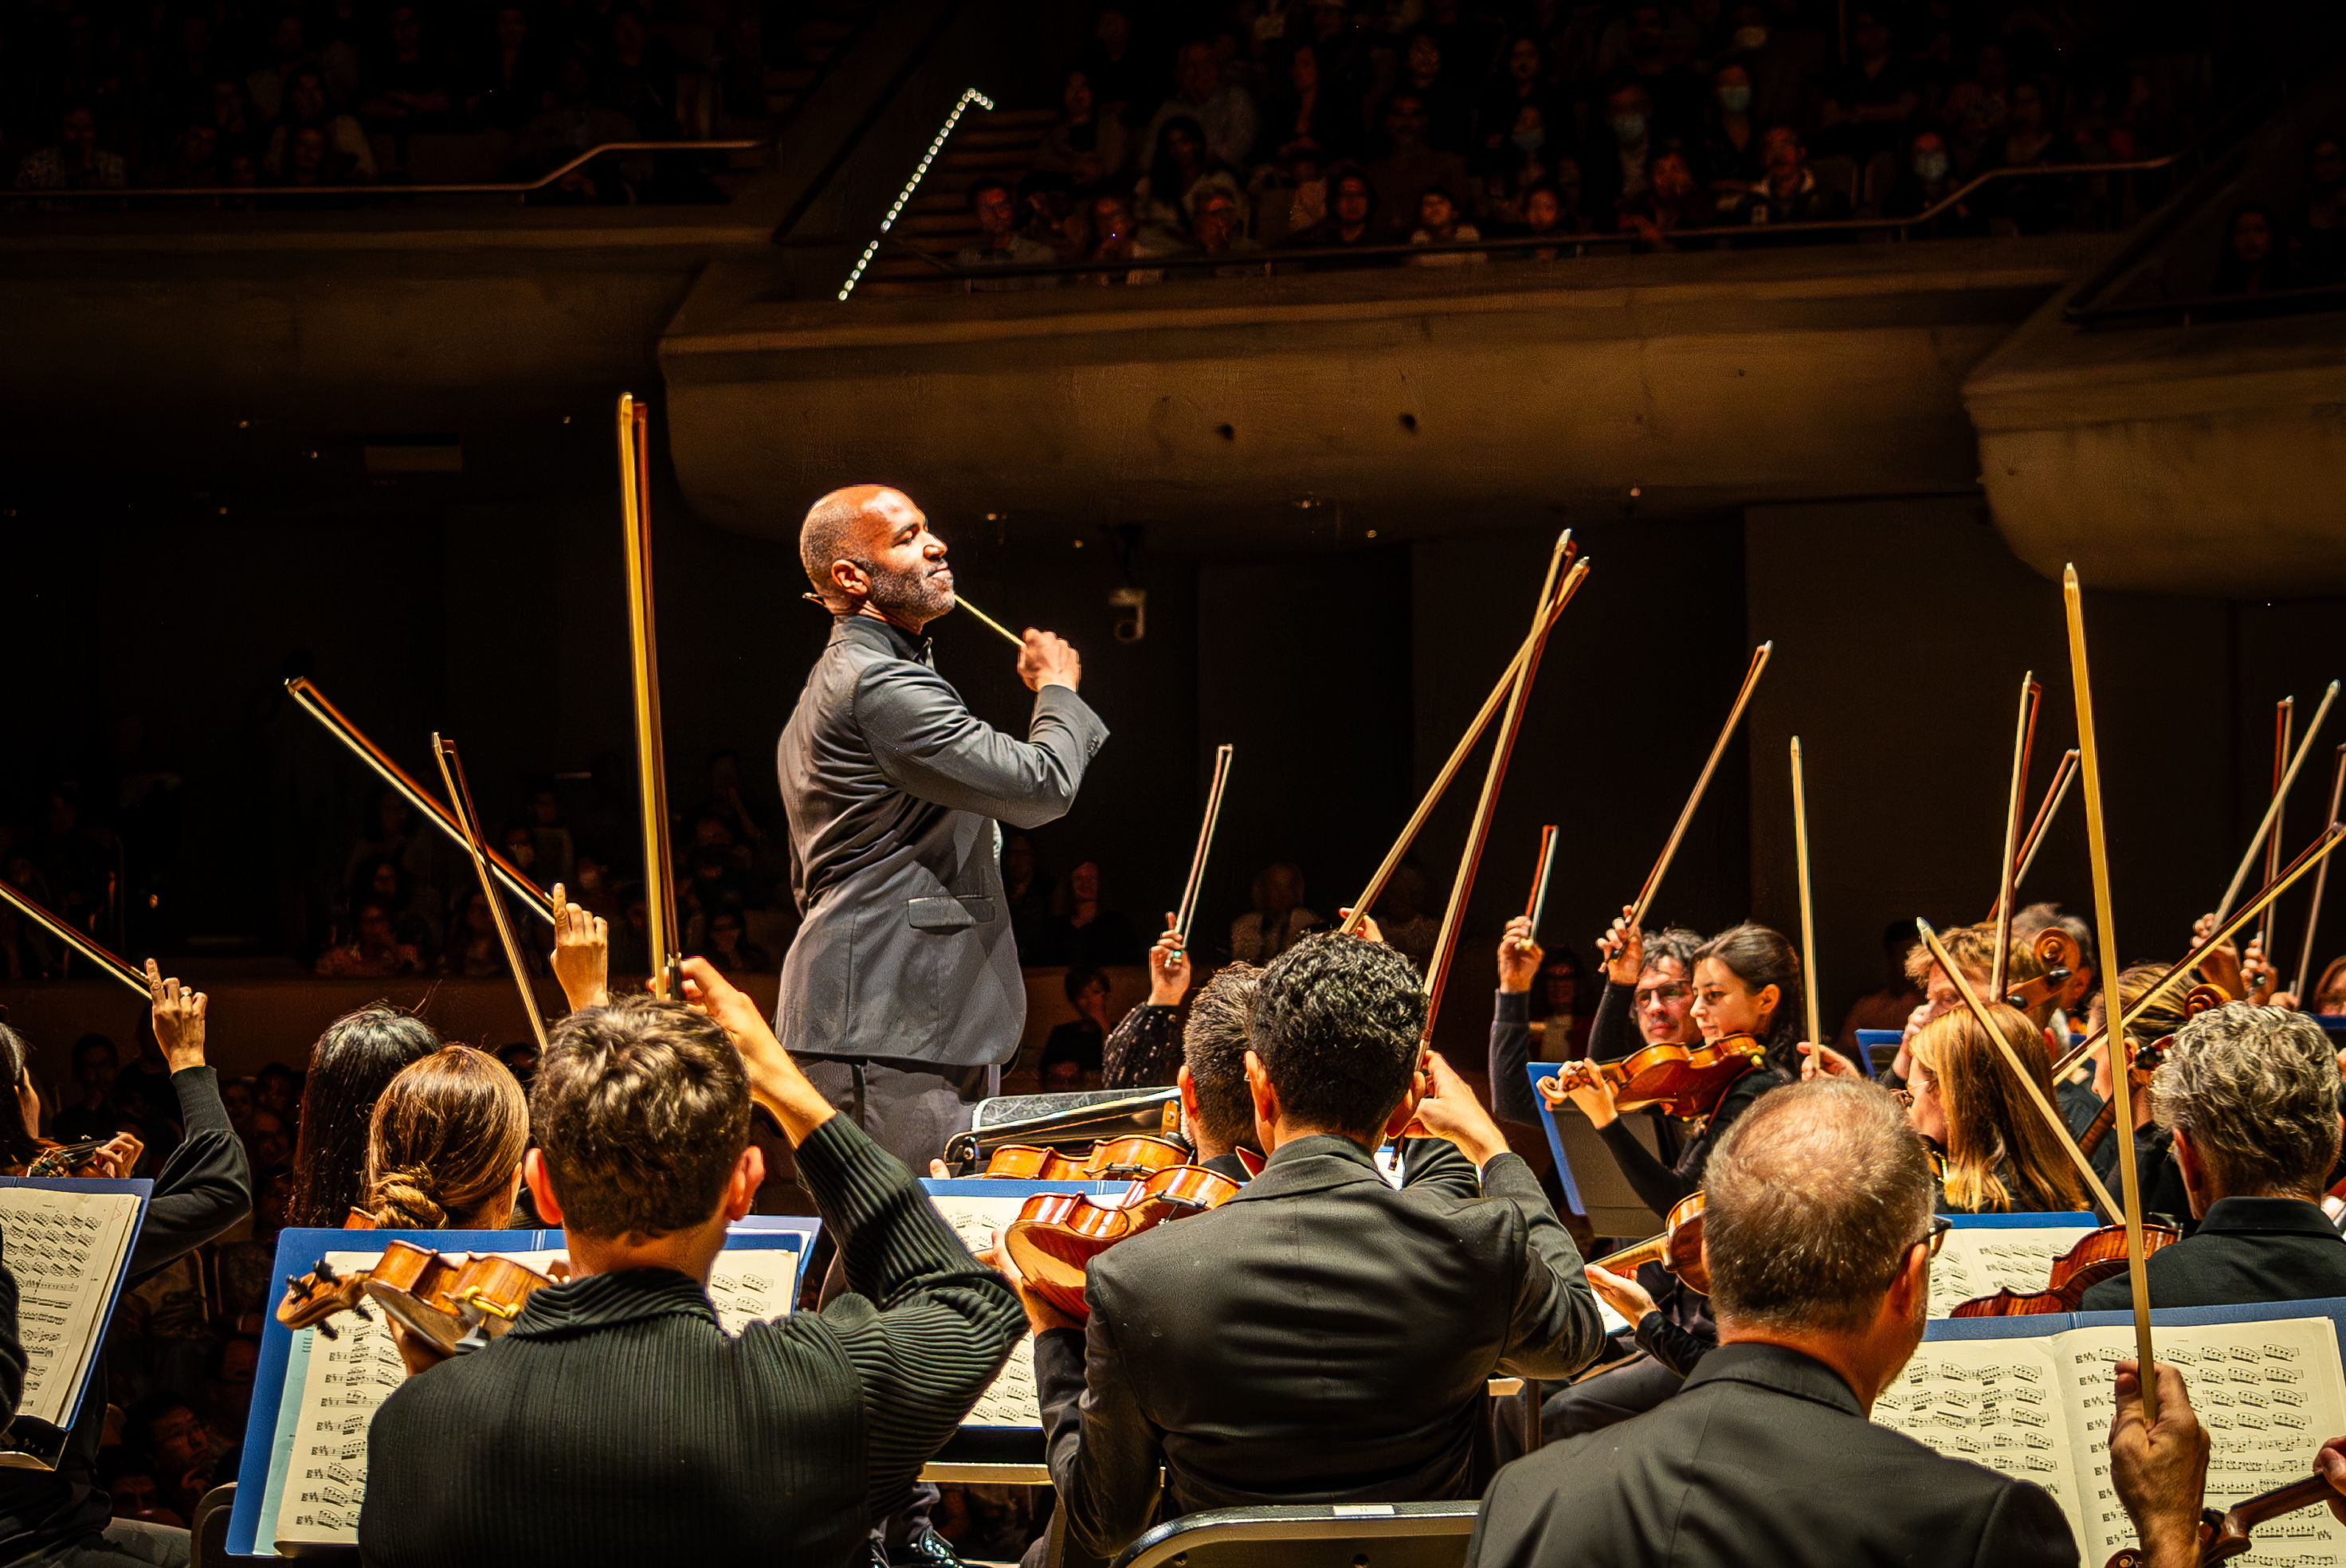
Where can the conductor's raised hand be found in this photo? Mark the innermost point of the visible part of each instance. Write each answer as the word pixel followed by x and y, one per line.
pixel 775 1081
pixel 1623 949
pixel 1168 967
pixel 582 952
pixel 1519 956
pixel 1049 659
pixel 179 1013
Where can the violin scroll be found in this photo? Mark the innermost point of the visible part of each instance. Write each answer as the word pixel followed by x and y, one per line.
pixel 2058 951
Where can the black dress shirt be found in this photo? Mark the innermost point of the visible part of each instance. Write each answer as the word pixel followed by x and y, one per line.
pixel 1764 1457
pixel 1319 1337
pixel 616 1422
pixel 2246 1249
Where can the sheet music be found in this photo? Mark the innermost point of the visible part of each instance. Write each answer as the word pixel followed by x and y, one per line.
pixel 1010 1401
pixel 1981 1261
pixel 347 1379
pixel 1996 1402
pixel 65 1247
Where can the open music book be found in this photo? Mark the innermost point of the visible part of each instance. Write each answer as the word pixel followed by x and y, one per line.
pixel 305 1443
pixel 2031 1397
pixel 68 1244
pixel 1984 1253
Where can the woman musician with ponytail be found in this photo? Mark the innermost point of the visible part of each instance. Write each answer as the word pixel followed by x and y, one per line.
pixel 443 1152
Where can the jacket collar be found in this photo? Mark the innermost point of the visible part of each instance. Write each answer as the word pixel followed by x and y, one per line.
pixel 610 1300
pixel 1780 1369
pixel 881 636
pixel 2286 1215
pixel 1313 1165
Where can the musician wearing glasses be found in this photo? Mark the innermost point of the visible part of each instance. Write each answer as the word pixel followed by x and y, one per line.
pixel 906 976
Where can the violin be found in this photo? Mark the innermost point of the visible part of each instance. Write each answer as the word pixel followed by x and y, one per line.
pixel 1677 1248
pixel 57 1159
pixel 2098 1254
pixel 2198 1000
pixel 452 1302
pixel 1058 1233
pixel 1685 1082
pixel 2058 951
pixel 1134 1158
pixel 2226 1535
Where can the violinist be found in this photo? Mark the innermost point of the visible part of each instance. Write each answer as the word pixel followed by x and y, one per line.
pixel 2163 1191
pixel 443 1152
pixel 616 1422
pixel 21 1145
pixel 2069 1001
pixel 359 1053
pixel 1321 1336
pixel 1819 1236
pixel 204 1187
pixel 1648 976
pixel 2001 1156
pixel 2249 1095
pixel 1216 1108
pixel 1144 1051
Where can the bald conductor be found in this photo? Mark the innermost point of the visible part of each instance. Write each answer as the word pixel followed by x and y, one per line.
pixel 903 987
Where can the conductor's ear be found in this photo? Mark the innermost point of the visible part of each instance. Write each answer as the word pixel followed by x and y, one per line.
pixel 850 581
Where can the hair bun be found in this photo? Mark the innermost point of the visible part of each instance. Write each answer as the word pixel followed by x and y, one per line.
pixel 407 1199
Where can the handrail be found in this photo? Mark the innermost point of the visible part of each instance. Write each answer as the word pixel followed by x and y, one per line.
pixel 501 188
pixel 1191 258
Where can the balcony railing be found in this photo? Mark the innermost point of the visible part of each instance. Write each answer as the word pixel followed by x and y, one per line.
pixel 272 193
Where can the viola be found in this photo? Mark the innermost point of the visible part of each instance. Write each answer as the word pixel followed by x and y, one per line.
pixel 1677 1248
pixel 2098 1254
pixel 2226 1535
pixel 1133 1159
pixel 2058 951
pixel 453 1302
pixel 1058 1233
pixel 1684 1081
pixel 2196 1001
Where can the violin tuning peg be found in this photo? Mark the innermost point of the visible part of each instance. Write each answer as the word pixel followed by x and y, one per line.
pixel 360 1308
pixel 328 1331
pixel 326 1273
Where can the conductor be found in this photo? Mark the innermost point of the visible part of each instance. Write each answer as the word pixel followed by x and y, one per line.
pixel 902 988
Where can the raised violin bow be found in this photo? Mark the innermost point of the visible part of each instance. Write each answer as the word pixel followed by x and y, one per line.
pixel 312 701
pixel 2045 1108
pixel 1189 891
pixel 2284 719
pixel 81 943
pixel 2032 697
pixel 1523 654
pixel 2097 845
pixel 2064 774
pixel 643 648
pixel 1808 899
pixel 1702 782
pixel 2316 853
pixel 2280 795
pixel 1461 885
pixel 2320 885
pixel 460 794
pixel 1535 907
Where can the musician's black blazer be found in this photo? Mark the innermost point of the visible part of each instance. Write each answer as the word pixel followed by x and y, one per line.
pixel 2246 1249
pixel 893 788
pixel 1321 1337
pixel 1765 1457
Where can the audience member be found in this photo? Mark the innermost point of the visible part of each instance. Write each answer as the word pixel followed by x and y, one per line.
pixel 1074 1054
pixel 2256 256
pixel 407 85
pixel 1278 919
pixel 76 162
pixel 2322 225
pixel 1085 932
pixel 1222 110
pixel 1411 168
pixel 1087 144
pixel 1164 201
pixel 1791 192
pixel 1891 1006
pixel 1000 244
pixel 95 1066
pixel 1351 218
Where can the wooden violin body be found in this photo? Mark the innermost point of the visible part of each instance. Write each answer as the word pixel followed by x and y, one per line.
pixel 1677 1248
pixel 442 1299
pixel 1133 1159
pixel 57 1159
pixel 2225 1535
pixel 1058 1233
pixel 2098 1254
pixel 2058 951
pixel 1683 1081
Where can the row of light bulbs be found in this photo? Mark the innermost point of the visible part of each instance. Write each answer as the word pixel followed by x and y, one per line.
pixel 904 197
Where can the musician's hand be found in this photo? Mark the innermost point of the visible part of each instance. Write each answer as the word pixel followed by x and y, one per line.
pixel 1048 659
pixel 2161 1471
pixel 1621 1293
pixel 179 1014
pixel 1594 1095
pixel 2221 965
pixel 1367 931
pixel 1040 1316
pixel 2259 976
pixel 1824 1062
pixel 775 1081
pixel 1901 1068
pixel 2331 1465
pixel 116 1158
pixel 1623 949
pixel 582 954
pixel 1519 956
pixel 1450 1111
pixel 1168 968
pixel 939 1170
pixel 420 1353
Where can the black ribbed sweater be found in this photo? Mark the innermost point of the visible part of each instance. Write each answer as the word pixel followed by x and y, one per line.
pixel 617 1422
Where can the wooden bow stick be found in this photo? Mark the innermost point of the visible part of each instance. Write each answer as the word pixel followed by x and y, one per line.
pixel 460 794
pixel 1808 899
pixel 2097 845
pixel 1188 910
pixel 2320 883
pixel 1719 748
pixel 2284 720
pixel 1535 908
pixel 81 943
pixel 1569 586
pixel 312 701
pixel 643 648
pixel 2031 696
pixel 2280 795
pixel 1461 885
pixel 2063 775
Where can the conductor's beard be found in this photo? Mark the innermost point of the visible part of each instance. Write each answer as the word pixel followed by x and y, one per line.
pixel 917 596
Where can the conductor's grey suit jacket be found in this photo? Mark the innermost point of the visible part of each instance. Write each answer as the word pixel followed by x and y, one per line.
pixel 893 788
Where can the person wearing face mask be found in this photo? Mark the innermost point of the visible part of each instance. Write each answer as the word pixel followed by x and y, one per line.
pixel 1785 62
pixel 2322 225
pixel 1927 180
pixel 1730 141
pixel 1618 162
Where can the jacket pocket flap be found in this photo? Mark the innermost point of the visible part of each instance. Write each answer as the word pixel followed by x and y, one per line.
pixel 948 913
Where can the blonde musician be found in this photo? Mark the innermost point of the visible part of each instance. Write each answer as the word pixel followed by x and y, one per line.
pixel 2000 1157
